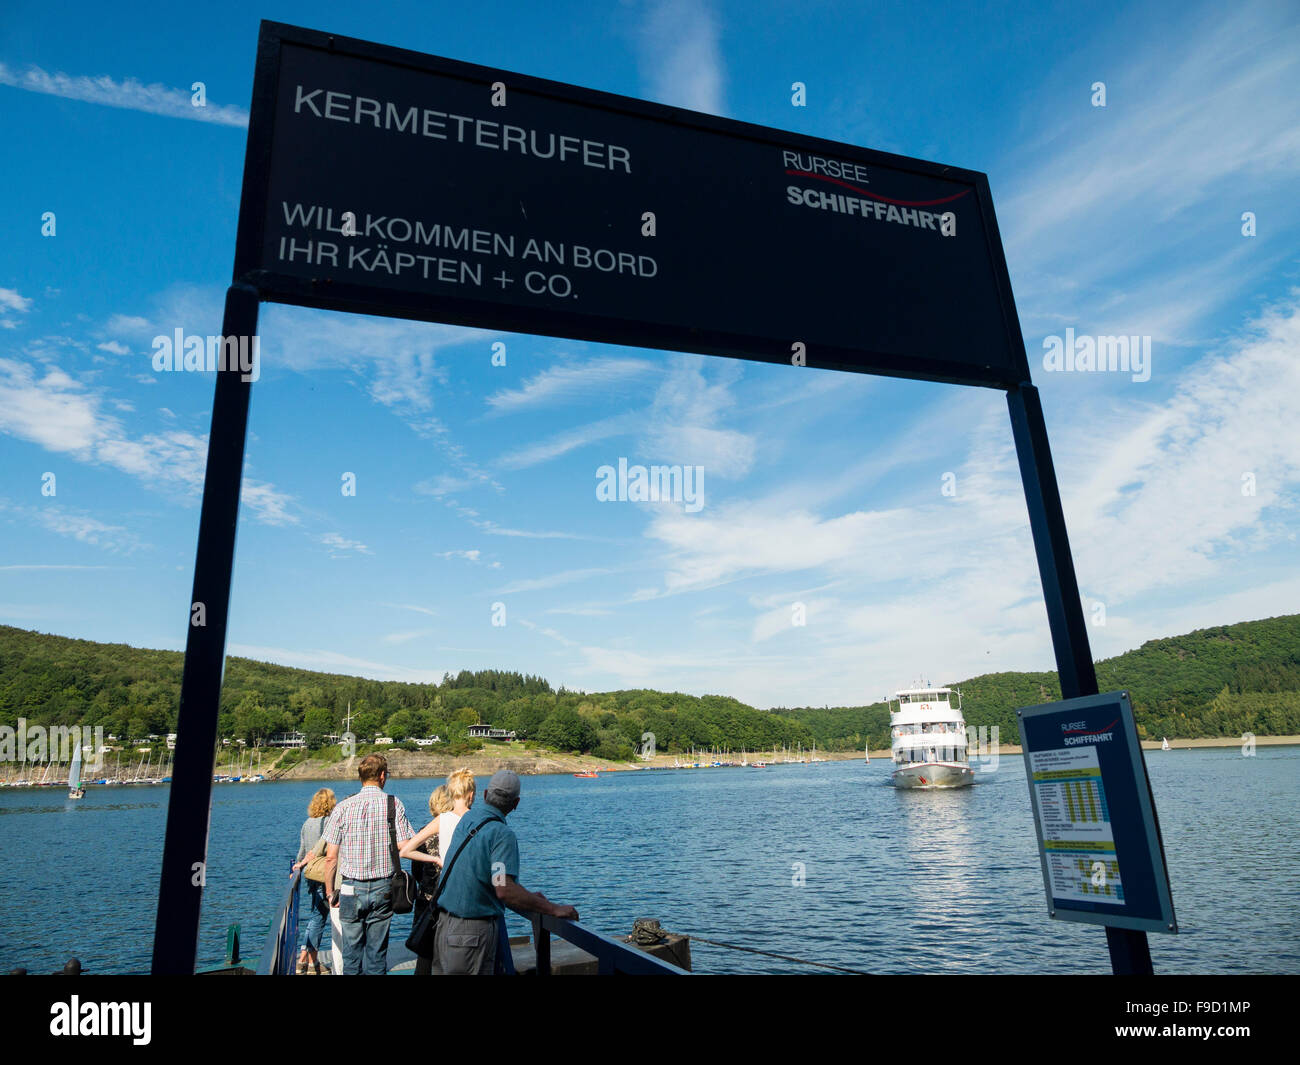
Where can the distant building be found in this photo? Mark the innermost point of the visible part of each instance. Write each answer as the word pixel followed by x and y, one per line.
pixel 171 741
pixel 288 739
pixel 428 742
pixel 487 732
pixel 384 741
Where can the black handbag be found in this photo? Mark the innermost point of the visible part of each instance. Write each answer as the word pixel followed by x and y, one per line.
pixel 420 941
pixel 401 885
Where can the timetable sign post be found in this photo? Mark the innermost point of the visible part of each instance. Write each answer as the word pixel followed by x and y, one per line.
pixel 1098 835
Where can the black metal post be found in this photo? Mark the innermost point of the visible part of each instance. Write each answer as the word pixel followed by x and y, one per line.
pixel 185 849
pixel 541 946
pixel 1129 951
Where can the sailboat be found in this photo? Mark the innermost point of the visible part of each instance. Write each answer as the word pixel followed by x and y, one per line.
pixel 866 752
pixel 75 790
pixel 1164 744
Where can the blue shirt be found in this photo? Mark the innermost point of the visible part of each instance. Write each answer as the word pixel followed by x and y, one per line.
pixel 469 891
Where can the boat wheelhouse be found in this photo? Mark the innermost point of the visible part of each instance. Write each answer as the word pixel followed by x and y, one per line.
pixel 928 740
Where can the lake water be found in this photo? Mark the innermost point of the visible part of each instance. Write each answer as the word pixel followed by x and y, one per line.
pixel 893 881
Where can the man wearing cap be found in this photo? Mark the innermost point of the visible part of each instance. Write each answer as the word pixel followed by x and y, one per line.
pixel 480 879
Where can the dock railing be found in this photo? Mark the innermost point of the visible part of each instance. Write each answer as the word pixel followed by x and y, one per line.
pixel 280 950
pixel 612 956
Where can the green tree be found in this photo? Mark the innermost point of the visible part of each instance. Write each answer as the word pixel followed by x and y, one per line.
pixel 565 730
pixel 317 723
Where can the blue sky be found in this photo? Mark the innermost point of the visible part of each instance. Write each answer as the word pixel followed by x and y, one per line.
pixel 476 483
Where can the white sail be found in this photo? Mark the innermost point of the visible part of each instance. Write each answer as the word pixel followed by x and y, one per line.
pixel 74 774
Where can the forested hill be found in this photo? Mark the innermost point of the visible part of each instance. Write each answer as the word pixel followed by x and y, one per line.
pixel 1214 682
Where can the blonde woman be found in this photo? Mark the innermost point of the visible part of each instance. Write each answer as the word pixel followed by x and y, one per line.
pixel 425 871
pixel 318 810
pixel 429 846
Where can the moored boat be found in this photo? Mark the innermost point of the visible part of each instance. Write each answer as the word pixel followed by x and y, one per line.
pixel 928 740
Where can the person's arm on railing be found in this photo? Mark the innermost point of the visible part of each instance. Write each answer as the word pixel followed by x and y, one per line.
pixel 521 900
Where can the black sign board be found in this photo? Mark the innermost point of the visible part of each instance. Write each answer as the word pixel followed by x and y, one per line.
pixel 388 182
pixel 1099 842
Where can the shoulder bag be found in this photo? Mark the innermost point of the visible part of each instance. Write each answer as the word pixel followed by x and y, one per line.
pixel 401 885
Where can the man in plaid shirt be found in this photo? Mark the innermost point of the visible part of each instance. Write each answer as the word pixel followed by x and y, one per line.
pixel 357 842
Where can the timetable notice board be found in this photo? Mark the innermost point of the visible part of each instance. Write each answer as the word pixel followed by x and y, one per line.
pixel 1099 839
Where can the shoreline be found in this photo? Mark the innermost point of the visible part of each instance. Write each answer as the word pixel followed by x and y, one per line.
pixel 419 765
pixel 409 764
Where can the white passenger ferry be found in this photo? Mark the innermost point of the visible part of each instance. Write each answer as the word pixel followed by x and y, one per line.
pixel 928 740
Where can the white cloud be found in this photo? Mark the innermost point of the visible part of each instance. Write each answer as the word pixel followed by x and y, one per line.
pixel 1159 526
pixel 114 348
pixel 48 407
pixel 328 661
pixel 268 504
pixel 552 580
pixel 340 546
pixel 553 634
pixel 11 300
pixel 680 57
pixel 491 527
pixel 683 425
pixel 408 636
pixel 473 555
pixel 572 440
pixel 565 383
pixel 445 484
pixel 1111 207
pixel 413 608
pixel 1160 502
pixel 75 524
pixel 132 325
pixel 41 567
pixel 153 99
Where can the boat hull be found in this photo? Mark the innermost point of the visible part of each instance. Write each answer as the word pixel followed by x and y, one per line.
pixel 934 775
